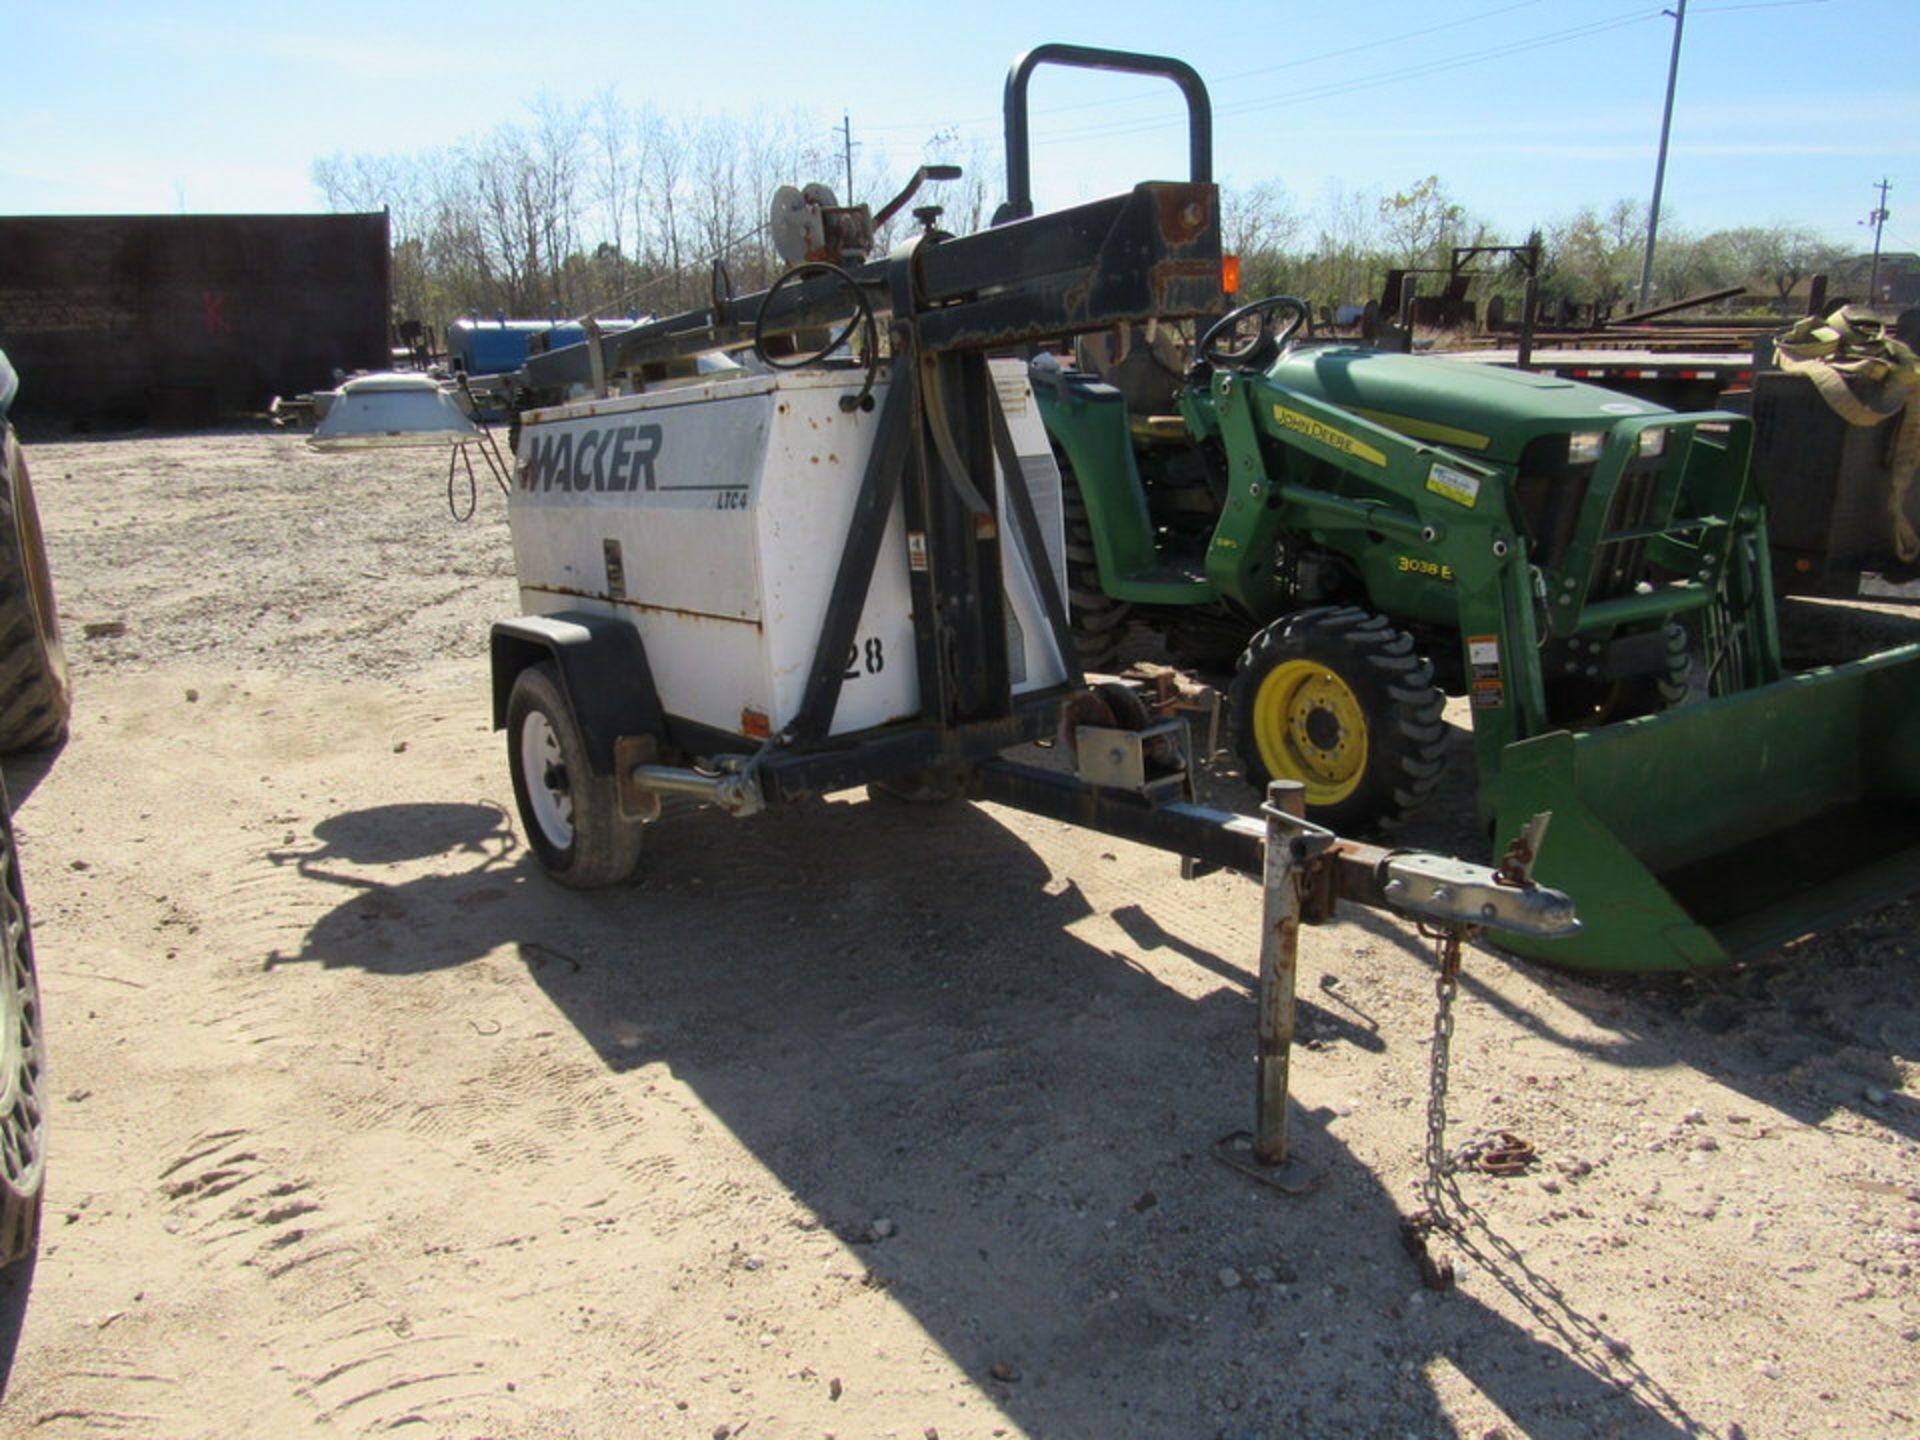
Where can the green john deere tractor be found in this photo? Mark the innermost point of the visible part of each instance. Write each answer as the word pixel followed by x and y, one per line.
pixel 1370 530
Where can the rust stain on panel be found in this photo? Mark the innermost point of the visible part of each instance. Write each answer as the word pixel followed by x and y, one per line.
pixel 641 605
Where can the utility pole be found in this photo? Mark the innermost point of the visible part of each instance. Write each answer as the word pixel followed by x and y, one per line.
pixel 1660 165
pixel 845 131
pixel 1877 219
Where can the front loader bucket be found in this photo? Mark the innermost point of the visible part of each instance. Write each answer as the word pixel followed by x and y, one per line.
pixel 1720 830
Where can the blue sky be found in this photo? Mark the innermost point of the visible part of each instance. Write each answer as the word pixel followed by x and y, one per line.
pixel 1788 111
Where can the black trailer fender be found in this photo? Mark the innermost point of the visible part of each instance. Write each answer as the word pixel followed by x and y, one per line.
pixel 603 671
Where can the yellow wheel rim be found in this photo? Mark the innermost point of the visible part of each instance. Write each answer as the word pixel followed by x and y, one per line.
pixel 1309 726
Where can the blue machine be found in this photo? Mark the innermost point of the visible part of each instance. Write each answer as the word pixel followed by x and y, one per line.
pixel 495 347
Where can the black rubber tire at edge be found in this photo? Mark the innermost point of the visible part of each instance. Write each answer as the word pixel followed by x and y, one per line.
pixel 23 1063
pixel 35 697
pixel 1098 621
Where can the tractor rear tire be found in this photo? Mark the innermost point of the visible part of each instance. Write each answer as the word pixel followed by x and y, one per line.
pixel 1339 698
pixel 23 1064
pixel 1099 622
pixel 35 697
pixel 571 815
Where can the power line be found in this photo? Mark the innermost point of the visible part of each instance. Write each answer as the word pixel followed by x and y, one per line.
pixel 1346 87
pixel 1155 95
pixel 1295 64
pixel 1119 127
pixel 1755 5
pixel 1377 44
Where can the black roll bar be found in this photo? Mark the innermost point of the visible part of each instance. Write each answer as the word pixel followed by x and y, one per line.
pixel 1019 202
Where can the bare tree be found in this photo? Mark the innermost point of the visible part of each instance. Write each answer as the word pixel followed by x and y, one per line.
pixel 1259 225
pixel 1422 220
pixel 967 204
pixel 1346 249
pixel 554 152
pixel 612 135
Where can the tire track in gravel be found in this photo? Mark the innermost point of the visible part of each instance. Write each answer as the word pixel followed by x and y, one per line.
pixel 134 1400
pixel 354 1351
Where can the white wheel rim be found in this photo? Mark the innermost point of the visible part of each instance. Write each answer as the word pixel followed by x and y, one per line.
pixel 544 768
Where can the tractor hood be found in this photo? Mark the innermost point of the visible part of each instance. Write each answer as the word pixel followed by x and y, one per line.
pixel 1480 410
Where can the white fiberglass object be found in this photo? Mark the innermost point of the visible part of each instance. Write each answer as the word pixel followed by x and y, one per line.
pixel 389 407
pixel 713 518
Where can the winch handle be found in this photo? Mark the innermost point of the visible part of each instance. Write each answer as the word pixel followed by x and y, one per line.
pixel 920 177
pixel 1019 202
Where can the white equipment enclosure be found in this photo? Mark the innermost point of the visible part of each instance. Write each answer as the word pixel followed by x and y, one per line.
pixel 712 517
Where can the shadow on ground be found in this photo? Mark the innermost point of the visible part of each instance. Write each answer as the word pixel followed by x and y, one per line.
pixel 16 1289
pixel 894 1011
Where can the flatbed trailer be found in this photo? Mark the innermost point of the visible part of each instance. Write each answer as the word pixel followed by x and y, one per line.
pixel 1678 379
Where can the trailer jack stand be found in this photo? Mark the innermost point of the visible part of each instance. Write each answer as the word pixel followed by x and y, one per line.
pixel 1261 1154
pixel 1308 868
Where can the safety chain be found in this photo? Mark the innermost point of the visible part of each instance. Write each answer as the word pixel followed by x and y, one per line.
pixel 1446 984
pixel 1436 1274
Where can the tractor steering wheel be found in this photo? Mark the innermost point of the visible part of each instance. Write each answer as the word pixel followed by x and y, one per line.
pixel 1262 349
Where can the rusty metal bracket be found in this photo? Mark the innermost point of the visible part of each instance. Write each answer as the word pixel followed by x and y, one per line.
pixel 630 752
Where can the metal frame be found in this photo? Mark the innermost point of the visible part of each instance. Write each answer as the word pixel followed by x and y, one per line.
pixel 1019 202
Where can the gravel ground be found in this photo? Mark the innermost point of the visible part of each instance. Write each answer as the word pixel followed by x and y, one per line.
pixel 850 1120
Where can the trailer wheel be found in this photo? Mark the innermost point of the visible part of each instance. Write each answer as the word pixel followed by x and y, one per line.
pixel 571 815
pixel 23 1059
pixel 1098 621
pixel 35 699
pixel 1340 699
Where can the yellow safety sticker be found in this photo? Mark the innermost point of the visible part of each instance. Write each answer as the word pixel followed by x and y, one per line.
pixel 1455 485
pixel 1326 435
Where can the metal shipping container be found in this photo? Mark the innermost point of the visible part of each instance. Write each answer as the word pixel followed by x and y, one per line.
pixel 181 319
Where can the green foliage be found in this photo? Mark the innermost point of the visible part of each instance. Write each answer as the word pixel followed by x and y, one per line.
pixel 1590 259
pixel 1422 223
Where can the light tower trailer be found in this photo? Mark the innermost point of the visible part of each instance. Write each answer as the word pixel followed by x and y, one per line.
pixel 842 564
